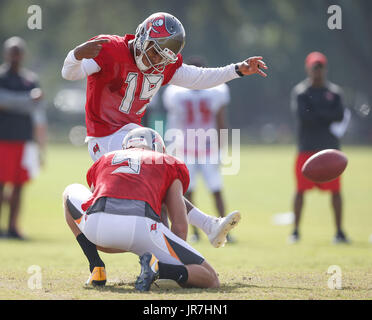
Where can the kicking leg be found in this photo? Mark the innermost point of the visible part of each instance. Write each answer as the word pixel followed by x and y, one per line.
pixel 220 205
pixel 195 237
pixel 215 228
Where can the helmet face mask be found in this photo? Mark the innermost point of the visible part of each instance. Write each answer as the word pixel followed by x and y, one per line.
pixel 163 33
pixel 159 67
pixel 145 138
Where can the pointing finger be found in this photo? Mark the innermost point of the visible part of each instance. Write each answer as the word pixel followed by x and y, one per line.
pixel 255 58
pixel 262 64
pixel 260 72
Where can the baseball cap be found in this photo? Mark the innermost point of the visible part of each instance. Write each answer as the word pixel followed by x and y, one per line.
pixel 315 57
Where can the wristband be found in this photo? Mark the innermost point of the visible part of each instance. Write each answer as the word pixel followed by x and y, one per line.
pixel 238 72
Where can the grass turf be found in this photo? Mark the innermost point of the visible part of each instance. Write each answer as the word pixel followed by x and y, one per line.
pixel 261 265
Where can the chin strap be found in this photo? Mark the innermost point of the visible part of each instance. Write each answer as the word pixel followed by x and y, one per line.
pixel 141 65
pixel 139 61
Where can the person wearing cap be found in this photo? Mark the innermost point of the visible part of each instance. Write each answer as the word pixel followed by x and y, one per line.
pixel 317 104
pixel 22 130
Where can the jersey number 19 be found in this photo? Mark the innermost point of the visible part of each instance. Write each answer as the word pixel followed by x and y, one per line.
pixel 150 85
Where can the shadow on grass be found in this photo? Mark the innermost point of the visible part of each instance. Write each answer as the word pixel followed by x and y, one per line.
pixel 114 287
pixel 235 286
pixel 128 287
pixel 353 245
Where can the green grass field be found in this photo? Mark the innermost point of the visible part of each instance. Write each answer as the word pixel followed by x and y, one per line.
pixel 261 265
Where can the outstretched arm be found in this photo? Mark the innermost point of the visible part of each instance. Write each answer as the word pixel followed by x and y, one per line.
pixel 80 63
pixel 251 66
pixel 192 77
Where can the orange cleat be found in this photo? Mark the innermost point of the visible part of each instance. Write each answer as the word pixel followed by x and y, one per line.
pixel 97 277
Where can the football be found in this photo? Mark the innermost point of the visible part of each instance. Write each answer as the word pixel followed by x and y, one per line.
pixel 324 166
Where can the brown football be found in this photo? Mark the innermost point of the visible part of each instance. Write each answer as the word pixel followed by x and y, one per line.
pixel 324 166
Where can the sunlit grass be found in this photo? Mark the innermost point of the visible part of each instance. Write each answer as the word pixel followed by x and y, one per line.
pixel 261 265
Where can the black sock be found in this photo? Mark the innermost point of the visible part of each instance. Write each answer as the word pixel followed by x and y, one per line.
pixel 177 273
pixel 90 252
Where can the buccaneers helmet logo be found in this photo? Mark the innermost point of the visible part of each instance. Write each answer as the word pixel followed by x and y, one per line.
pixel 158 28
pixel 96 148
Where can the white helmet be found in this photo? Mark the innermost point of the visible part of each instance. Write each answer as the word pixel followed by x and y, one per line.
pixel 165 34
pixel 146 138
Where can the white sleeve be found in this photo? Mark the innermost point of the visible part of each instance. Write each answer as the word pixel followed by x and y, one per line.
pixel 192 77
pixel 74 69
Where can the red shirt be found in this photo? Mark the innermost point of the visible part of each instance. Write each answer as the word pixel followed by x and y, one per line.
pixel 135 174
pixel 119 93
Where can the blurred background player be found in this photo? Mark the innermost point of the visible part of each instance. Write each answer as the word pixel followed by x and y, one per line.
pixel 22 123
pixel 317 105
pixel 205 110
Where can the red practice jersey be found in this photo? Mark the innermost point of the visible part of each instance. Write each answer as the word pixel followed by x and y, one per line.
pixel 135 174
pixel 119 93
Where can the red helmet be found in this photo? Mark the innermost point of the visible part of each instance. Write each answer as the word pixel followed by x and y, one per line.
pixel 165 34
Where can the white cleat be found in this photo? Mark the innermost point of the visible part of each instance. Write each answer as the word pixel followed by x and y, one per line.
pixel 221 227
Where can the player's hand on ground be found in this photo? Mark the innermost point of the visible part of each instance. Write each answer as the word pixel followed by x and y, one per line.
pixel 89 49
pixel 253 65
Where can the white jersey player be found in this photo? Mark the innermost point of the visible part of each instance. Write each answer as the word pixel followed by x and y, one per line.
pixel 194 113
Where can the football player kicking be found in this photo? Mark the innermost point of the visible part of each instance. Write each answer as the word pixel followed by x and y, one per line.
pixel 123 213
pixel 124 73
